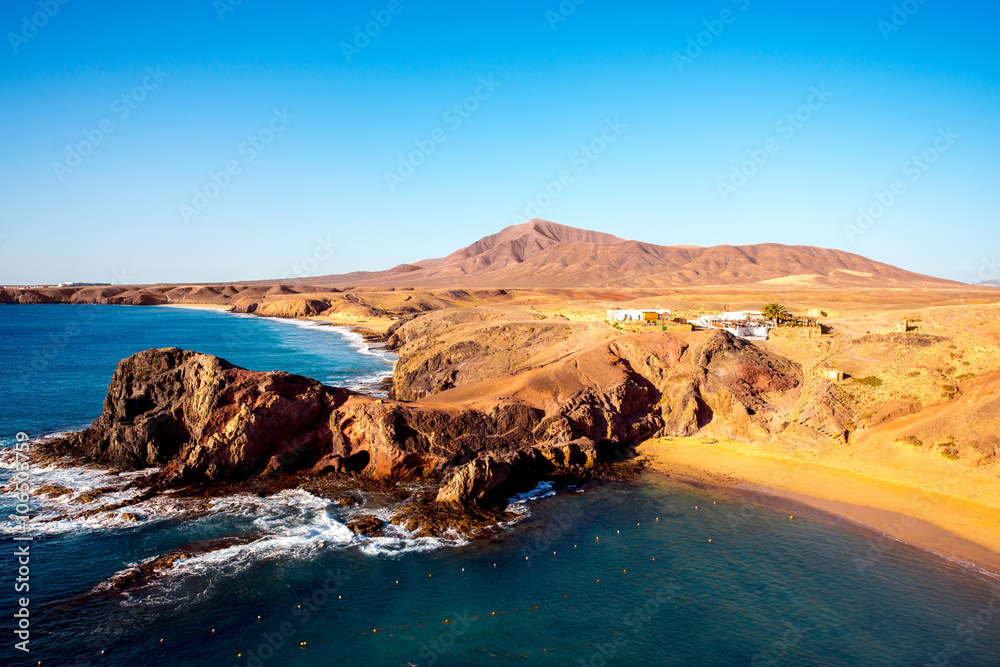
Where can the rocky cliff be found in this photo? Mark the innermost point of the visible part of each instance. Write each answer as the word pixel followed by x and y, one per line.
pixel 521 400
pixel 201 419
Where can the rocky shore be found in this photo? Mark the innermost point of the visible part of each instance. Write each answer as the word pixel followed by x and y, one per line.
pixel 487 404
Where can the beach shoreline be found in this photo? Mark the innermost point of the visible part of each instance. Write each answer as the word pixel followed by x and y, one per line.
pixel 957 530
pixel 359 325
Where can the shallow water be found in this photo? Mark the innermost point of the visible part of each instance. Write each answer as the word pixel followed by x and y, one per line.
pixel 607 573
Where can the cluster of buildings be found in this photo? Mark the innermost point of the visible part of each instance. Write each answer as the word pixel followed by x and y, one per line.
pixel 745 324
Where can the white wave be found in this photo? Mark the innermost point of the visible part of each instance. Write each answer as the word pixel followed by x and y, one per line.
pixel 369 384
pixel 301 525
pixel 397 541
pixel 518 503
pixel 301 522
pixel 7 444
pixel 542 490
pixel 63 523
pixel 292 524
pixel 358 342
pixel 61 514
pixel 76 479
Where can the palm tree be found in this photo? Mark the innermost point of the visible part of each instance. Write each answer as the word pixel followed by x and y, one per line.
pixel 775 312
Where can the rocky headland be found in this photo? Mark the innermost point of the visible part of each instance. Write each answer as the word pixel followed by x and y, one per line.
pixel 486 404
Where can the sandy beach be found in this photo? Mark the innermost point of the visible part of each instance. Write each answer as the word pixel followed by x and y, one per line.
pixel 945 523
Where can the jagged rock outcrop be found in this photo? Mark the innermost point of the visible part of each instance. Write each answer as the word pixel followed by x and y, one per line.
pixel 203 419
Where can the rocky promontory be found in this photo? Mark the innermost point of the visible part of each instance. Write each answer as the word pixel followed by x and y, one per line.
pixel 521 400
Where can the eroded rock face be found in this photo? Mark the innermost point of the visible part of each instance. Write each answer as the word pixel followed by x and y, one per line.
pixel 455 347
pixel 203 419
pixel 476 480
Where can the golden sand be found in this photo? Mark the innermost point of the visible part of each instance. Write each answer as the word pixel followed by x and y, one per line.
pixel 926 508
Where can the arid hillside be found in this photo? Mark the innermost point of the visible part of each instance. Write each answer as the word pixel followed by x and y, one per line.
pixel 545 254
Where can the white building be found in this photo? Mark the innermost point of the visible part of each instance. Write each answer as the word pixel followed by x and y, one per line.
pixel 745 324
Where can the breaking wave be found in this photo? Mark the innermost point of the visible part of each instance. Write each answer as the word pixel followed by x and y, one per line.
pixel 290 525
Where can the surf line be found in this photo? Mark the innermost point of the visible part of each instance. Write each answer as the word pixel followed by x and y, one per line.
pixel 22 548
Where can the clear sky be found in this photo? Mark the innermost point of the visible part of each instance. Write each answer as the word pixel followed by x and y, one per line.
pixel 189 141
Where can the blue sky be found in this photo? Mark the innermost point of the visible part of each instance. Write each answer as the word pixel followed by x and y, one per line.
pixel 247 142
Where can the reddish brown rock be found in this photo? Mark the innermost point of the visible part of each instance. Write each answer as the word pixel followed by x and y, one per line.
pixel 367 525
pixel 204 419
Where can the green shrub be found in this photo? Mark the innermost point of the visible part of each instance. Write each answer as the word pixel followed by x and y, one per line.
pixel 911 440
pixel 870 381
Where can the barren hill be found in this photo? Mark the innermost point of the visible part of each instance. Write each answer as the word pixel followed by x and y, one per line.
pixel 545 254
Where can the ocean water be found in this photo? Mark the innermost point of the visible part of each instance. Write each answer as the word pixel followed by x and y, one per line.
pixel 56 360
pixel 597 574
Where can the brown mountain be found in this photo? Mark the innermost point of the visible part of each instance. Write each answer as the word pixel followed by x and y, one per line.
pixel 545 254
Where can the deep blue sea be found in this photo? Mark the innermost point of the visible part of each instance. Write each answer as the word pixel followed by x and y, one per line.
pixel 603 574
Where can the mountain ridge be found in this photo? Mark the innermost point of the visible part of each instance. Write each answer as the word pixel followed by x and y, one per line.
pixel 541 253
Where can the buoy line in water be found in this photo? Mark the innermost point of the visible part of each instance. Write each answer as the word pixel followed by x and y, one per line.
pixel 389 630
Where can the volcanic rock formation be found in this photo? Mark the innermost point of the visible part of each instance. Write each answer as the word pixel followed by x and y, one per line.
pixel 496 429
